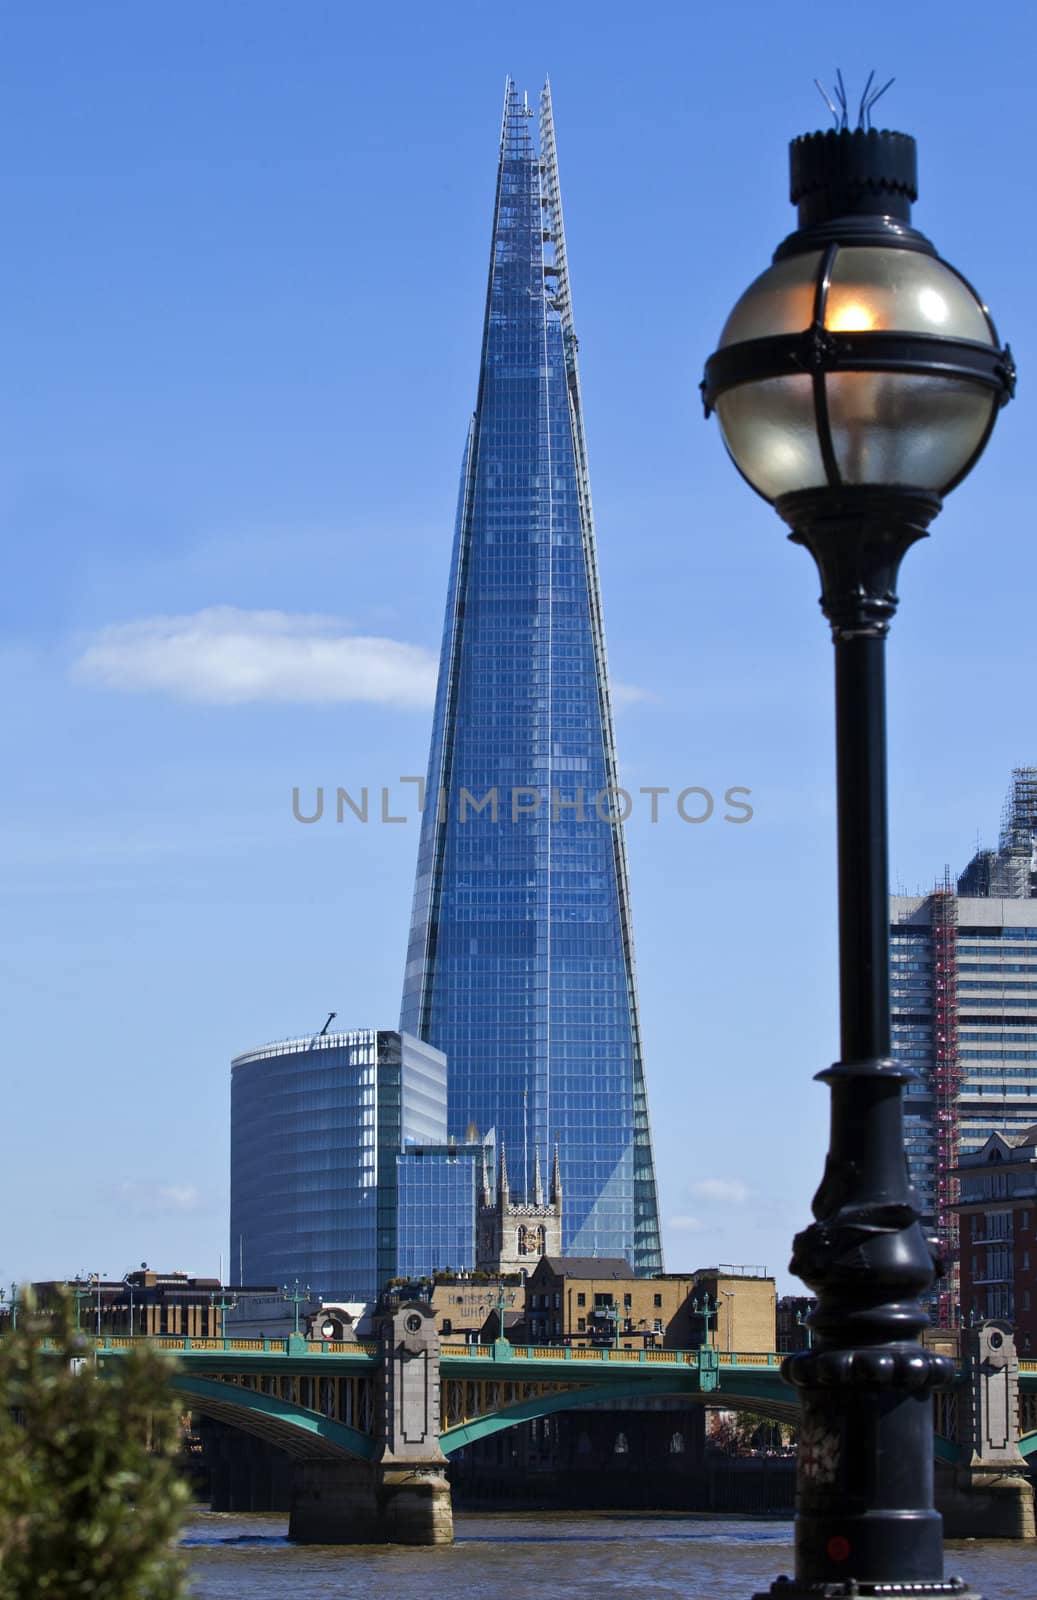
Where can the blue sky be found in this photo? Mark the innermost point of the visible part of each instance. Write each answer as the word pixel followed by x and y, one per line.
pixel 242 283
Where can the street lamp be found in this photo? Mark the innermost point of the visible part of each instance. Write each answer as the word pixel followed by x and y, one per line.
pixel 97 1285
pixel 500 1311
pixel 127 1283
pixel 297 1297
pixel 703 1310
pixel 221 1304
pixel 80 1286
pixel 729 1295
pixel 858 381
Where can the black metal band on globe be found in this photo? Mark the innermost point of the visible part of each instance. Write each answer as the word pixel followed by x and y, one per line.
pixel 817 350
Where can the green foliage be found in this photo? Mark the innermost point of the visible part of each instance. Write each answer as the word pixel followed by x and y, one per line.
pixel 755 1431
pixel 90 1497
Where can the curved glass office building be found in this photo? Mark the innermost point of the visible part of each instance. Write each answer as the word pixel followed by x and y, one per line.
pixel 520 964
pixel 317 1127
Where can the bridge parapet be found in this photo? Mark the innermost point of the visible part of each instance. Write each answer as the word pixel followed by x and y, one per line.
pixel 282 1347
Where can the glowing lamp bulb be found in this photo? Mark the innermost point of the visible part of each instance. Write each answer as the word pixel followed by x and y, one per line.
pixel 851 317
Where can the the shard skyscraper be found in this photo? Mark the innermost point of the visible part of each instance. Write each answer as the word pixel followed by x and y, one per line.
pixel 521 962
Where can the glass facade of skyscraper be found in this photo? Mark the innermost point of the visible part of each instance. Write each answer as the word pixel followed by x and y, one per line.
pixel 437 1189
pixel 317 1126
pixel 520 964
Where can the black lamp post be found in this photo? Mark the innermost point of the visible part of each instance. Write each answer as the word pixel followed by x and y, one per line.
pixel 857 381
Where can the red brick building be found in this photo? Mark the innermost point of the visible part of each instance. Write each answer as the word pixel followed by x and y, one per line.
pixel 997 1207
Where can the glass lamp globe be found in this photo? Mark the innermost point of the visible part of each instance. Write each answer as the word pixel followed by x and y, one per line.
pixel 859 358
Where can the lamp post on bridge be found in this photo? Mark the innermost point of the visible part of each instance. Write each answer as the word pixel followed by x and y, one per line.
pixel 296 1297
pixel 702 1309
pixel 127 1284
pixel 857 381
pixel 729 1295
pixel 97 1320
pixel 501 1335
pixel 81 1290
pixel 221 1304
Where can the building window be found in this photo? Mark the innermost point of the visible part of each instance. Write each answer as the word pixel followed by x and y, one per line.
pixel 448 1326
pixel 657 1300
pixel 1026 1260
pixel 581 1325
pixel 1026 1299
pixel 627 1302
pixel 581 1299
pixel 1024 1219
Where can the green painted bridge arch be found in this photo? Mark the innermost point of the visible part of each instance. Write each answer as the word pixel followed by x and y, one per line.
pixel 299 1431
pixel 315 1402
pixel 1027 1407
pixel 510 1414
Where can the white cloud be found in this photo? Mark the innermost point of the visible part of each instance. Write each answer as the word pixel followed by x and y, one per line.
pixel 628 694
pixel 146 1198
pixel 732 1191
pixel 179 1197
pixel 226 656
pixel 686 1225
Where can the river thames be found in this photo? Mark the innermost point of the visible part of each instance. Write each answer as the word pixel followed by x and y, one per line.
pixel 553 1556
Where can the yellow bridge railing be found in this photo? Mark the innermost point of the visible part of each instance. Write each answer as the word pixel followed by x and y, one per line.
pixel 555 1352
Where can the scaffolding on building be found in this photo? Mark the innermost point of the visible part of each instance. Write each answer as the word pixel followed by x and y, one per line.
pixel 946 1085
pixel 1017 845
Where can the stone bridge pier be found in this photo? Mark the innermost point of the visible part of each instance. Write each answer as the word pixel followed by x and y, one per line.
pixel 402 1496
pixel 987 1494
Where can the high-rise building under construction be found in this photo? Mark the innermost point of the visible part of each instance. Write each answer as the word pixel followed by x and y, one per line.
pixel 963 970
pixel 520 964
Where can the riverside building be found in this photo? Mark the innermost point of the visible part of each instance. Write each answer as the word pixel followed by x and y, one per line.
pixel 318 1127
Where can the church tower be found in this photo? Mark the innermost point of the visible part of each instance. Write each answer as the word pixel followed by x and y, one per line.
pixel 513 1235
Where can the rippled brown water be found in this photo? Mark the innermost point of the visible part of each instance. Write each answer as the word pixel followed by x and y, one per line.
pixel 557 1557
